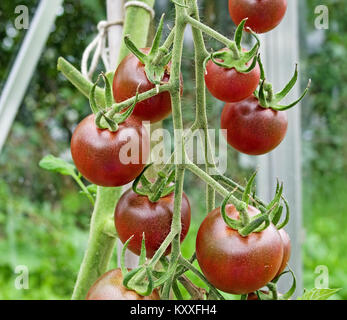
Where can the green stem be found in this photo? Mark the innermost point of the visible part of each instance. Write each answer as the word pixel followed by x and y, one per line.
pixel 100 244
pixel 83 187
pixel 142 96
pixel 179 145
pixel 209 31
pixel 79 81
pixel 201 116
pixel 189 266
pixel 207 179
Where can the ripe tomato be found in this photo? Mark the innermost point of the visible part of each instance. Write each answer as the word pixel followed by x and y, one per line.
pixel 252 129
pixel 229 85
pixel 128 76
pixel 233 263
pixel 110 287
pixel 263 15
pixel 108 158
pixel 286 251
pixel 135 214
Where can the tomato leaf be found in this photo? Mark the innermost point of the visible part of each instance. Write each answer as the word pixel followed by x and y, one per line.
pixel 58 165
pixel 318 294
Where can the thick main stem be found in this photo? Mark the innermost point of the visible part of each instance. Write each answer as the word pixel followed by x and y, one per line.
pixel 101 242
pixel 179 145
pixel 101 239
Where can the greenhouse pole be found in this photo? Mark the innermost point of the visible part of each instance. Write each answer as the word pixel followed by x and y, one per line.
pixel 280 52
pixel 25 64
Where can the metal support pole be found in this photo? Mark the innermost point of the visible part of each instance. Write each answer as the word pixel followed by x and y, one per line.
pixel 25 64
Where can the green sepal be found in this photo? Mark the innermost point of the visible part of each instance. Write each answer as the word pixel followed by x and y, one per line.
pixel 122 259
pixel 246 194
pixel 292 289
pixel 154 72
pixel 234 56
pixel 143 254
pixel 254 225
pixel 266 97
pixel 232 223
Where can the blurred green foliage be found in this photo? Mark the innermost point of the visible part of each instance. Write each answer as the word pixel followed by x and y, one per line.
pixel 44 220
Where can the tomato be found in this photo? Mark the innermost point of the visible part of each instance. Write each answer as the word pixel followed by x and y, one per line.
pixel 252 129
pixel 263 15
pixel 110 287
pixel 286 252
pixel 108 158
pixel 128 76
pixel 135 215
pixel 236 264
pixel 229 85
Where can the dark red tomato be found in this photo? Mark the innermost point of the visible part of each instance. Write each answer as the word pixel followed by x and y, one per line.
pixel 233 263
pixel 110 287
pixel 252 129
pixel 128 76
pixel 287 250
pixel 135 214
pixel 263 15
pixel 229 85
pixel 106 158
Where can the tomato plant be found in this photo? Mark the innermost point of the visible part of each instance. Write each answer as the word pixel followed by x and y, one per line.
pixel 252 129
pixel 108 158
pixel 263 15
pixel 238 246
pixel 136 215
pixel 110 287
pixel 236 264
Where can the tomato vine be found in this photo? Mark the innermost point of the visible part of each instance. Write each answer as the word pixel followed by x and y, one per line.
pixel 250 216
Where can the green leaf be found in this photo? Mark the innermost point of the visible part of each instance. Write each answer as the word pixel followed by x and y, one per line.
pixel 58 165
pixel 318 294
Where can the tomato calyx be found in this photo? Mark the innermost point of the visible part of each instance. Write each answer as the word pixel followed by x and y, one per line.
pixel 143 285
pixel 273 294
pixel 236 57
pixel 103 120
pixel 246 225
pixel 268 99
pixel 157 60
pixel 162 187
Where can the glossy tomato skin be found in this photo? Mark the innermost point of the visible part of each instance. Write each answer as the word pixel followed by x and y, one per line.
pixel 263 15
pixel 236 264
pixel 106 158
pixel 110 287
pixel 252 129
pixel 135 214
pixel 229 85
pixel 286 252
pixel 128 76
